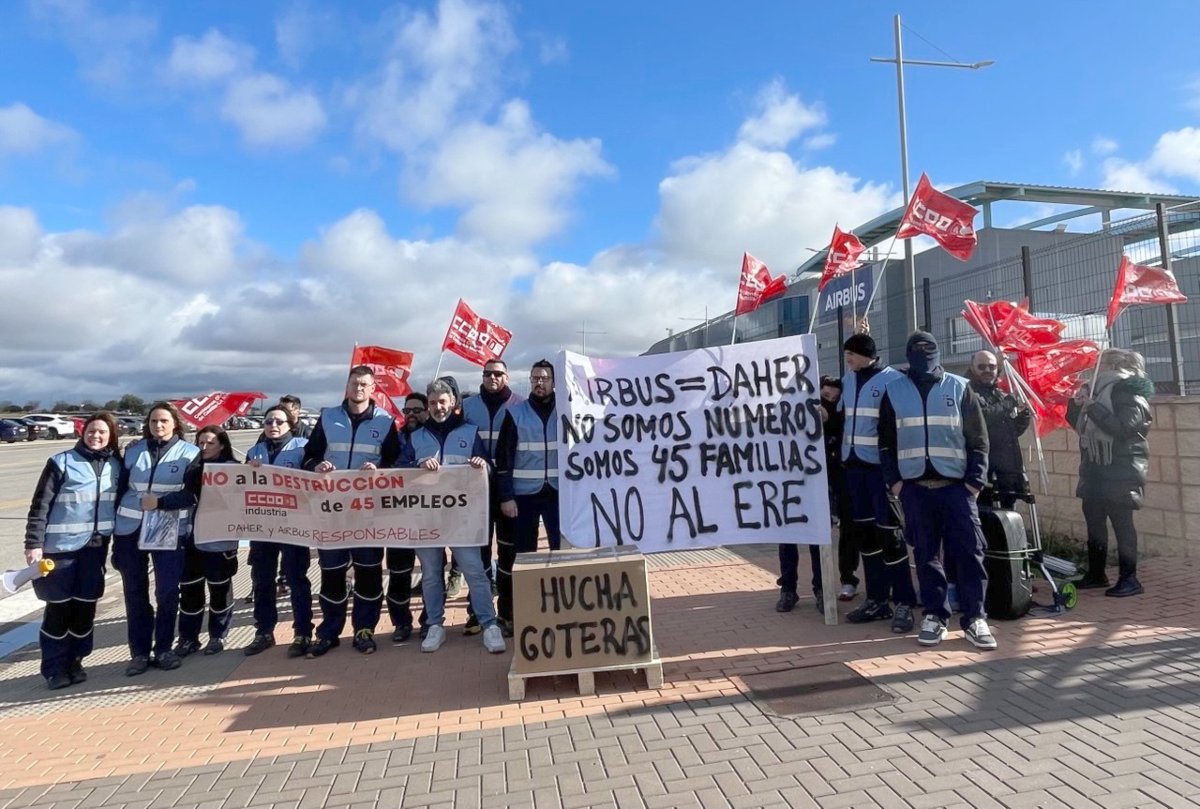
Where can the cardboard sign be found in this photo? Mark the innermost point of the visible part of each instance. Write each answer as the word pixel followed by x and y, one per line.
pixel 385 508
pixel 580 609
pixel 693 449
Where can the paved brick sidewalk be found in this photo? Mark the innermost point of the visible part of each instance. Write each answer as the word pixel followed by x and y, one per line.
pixel 1095 707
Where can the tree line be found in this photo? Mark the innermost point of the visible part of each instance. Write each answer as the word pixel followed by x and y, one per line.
pixel 126 404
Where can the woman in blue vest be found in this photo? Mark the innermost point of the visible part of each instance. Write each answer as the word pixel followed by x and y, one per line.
pixel 153 466
pixel 71 522
pixel 213 563
pixel 280 447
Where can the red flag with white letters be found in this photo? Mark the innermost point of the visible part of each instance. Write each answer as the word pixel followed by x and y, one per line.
pixel 391 368
pixel 474 338
pixel 216 407
pixel 1138 285
pixel 756 286
pixel 842 256
pixel 950 221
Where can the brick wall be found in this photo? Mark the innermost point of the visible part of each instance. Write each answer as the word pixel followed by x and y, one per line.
pixel 1172 503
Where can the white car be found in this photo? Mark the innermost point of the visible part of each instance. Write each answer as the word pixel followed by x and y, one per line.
pixel 56 426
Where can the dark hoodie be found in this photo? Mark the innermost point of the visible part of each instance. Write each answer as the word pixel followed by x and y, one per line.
pixel 1128 422
pixel 925 371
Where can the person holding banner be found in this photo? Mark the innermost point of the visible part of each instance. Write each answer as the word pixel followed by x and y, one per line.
pixel 280 447
pixel 153 466
pixel 1114 458
pixel 400 561
pixel 446 439
pixel 874 528
pixel 527 477
pixel 1007 419
pixel 353 435
pixel 214 563
pixel 71 520
pixel 933 448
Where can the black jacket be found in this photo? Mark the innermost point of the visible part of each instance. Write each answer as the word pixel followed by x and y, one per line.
pixel 1128 422
pixel 1007 420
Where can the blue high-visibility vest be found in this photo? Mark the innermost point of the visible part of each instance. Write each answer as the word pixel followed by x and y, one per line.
pixel 290 455
pixel 150 476
pixel 862 414
pixel 350 445
pixel 929 430
pixel 475 410
pixel 455 451
pixel 536 460
pixel 85 503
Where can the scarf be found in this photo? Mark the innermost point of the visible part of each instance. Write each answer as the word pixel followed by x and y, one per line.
pixel 1094 442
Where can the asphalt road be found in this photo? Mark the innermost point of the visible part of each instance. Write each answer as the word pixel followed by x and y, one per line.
pixel 21 465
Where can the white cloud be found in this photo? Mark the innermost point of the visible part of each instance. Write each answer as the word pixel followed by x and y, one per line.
pixel 208 58
pixel 1074 161
pixel 1177 154
pixel 781 118
pixel 299 30
pixel 1123 175
pixel 822 141
pixel 111 47
pixel 23 131
pixel 270 112
pixel 20 235
pixel 1103 146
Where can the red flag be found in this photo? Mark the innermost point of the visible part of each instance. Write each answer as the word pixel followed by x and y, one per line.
pixel 1138 284
pixel 948 220
pixel 756 285
pixel 216 407
pixel 1018 330
pixel 474 338
pixel 842 256
pixel 392 368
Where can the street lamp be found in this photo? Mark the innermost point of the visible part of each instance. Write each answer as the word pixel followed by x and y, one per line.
pixel 910 271
pixel 696 319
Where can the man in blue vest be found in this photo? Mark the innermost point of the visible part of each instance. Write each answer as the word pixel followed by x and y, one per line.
pixel 527 477
pixel 354 435
pixel 933 446
pixel 873 527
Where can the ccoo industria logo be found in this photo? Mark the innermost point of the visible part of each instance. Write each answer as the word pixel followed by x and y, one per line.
pixel 281 500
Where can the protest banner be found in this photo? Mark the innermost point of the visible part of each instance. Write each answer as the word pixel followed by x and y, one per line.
pixel 692 449
pixel 581 611
pixel 389 508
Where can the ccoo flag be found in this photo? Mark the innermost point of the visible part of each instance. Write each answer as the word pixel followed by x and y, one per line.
pixel 391 368
pixel 474 338
pixel 842 257
pixel 1138 284
pixel 216 407
pixel 756 285
pixel 951 222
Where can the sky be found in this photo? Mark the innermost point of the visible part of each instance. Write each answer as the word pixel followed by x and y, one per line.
pixel 230 195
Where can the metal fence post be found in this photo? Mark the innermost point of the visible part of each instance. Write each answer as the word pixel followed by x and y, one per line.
pixel 1172 326
pixel 927 295
pixel 842 340
pixel 1027 273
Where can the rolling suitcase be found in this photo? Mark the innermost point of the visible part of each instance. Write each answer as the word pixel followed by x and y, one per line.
pixel 1010 584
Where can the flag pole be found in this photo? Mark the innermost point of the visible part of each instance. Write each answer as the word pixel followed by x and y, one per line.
pixel 1020 388
pixel 816 308
pixel 854 294
pixel 438 370
pixel 733 337
pixel 886 258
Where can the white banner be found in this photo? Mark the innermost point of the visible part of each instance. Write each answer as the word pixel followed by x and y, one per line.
pixel 391 508
pixel 692 449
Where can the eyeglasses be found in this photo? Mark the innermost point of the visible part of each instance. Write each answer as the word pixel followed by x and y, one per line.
pixel 412 411
pixel 536 379
pixel 271 422
pixel 362 385
pixel 495 374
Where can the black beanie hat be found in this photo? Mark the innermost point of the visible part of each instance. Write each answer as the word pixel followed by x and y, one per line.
pixel 861 344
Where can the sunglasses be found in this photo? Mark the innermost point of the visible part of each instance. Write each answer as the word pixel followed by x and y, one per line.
pixel 270 422
pixel 495 374
pixel 412 411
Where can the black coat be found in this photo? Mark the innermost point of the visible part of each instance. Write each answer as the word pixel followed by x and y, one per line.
pixel 1128 422
pixel 1007 420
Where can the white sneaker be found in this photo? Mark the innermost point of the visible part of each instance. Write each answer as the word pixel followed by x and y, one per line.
pixel 847 593
pixel 493 640
pixel 932 631
pixel 434 640
pixel 980 635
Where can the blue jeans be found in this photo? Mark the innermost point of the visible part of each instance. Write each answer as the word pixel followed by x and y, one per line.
pixel 433 583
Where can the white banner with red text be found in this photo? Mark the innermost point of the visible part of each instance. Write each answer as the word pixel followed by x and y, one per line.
pixel 388 508
pixel 718 446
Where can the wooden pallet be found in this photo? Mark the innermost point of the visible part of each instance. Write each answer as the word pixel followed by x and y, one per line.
pixel 586 677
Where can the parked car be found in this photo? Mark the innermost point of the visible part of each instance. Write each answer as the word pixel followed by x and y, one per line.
pixel 35 430
pixel 12 431
pixel 56 426
pixel 130 425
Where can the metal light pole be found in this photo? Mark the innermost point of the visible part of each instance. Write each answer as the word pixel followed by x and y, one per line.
pixel 910 270
pixel 696 319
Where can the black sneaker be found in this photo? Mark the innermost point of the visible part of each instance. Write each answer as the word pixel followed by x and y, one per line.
pixel 364 641
pixel 401 635
pixel 186 647
pixel 453 584
pixel 902 622
pixel 299 646
pixel 819 598
pixel 424 633
pixel 76 672
pixel 322 645
pixel 168 661
pixel 506 627
pixel 869 611
pixel 57 681
pixel 1125 586
pixel 787 600
pixel 260 644
pixel 138 665
pixel 215 646
pixel 472 627
pixel 932 631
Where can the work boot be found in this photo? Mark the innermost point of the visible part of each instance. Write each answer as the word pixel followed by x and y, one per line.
pixel 787 600
pixel 1125 586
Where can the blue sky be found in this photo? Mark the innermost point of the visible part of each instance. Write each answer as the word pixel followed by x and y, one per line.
pixel 229 195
